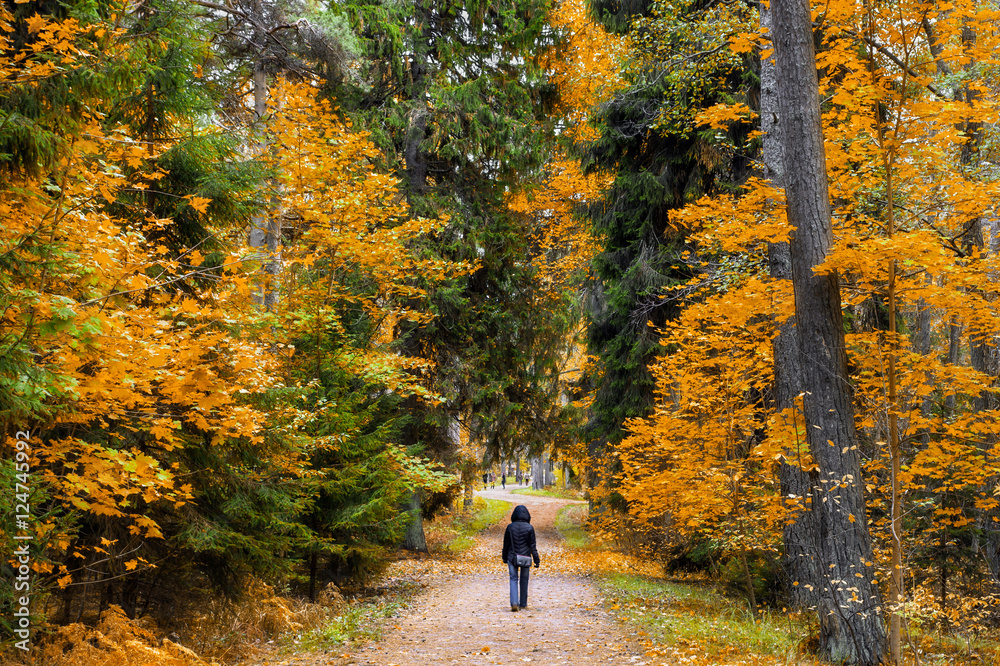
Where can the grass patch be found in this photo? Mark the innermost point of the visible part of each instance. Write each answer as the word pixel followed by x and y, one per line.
pixel 690 617
pixel 560 493
pixel 485 512
pixel 570 521
pixel 693 616
pixel 363 620
pixel 452 534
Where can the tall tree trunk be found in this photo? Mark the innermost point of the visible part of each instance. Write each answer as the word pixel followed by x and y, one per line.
pixel 537 473
pixel 921 343
pixel 415 176
pixel 469 485
pixel 265 226
pixel 414 539
pixel 415 159
pixel 801 546
pixel 984 357
pixel 848 602
pixel 312 576
pixel 954 349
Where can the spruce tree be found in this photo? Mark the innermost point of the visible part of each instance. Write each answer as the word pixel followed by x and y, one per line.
pixel 452 94
pixel 660 160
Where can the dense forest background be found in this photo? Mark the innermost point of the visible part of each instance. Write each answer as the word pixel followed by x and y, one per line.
pixel 279 279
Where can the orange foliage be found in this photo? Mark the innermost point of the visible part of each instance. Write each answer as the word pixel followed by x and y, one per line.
pixel 349 220
pixel 698 458
pixel 585 68
pixel 124 351
pixel 685 459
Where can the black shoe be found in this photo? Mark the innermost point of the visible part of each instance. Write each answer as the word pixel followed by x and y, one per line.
pixel 513 608
pixel 525 607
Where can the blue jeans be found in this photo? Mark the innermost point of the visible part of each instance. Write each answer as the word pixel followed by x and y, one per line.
pixel 521 601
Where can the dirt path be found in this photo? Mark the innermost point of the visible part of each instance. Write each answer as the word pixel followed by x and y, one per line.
pixel 463 617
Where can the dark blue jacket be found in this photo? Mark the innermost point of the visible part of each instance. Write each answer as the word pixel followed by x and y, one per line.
pixel 519 538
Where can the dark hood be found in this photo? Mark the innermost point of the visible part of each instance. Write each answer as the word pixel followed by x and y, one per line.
pixel 520 514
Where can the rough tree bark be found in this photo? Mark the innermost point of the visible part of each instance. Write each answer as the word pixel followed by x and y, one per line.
pixel 415 158
pixel 800 557
pixel 537 473
pixel 415 165
pixel 848 602
pixel 414 539
pixel 265 226
pixel 468 485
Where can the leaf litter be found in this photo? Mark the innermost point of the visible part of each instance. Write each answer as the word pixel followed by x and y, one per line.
pixel 463 614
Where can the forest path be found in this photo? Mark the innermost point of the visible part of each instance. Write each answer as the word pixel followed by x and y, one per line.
pixel 463 616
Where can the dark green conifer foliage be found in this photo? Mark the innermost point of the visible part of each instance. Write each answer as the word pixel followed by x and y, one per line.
pixel 451 93
pixel 352 512
pixel 661 161
pixel 617 15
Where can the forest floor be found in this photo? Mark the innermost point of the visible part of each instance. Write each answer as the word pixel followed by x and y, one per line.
pixel 463 616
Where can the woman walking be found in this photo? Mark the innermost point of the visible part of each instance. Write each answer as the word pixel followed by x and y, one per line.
pixel 519 551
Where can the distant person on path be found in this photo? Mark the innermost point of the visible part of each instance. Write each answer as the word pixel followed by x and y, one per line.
pixel 486 480
pixel 503 481
pixel 519 539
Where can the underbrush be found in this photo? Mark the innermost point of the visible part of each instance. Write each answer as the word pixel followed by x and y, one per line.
pixel 360 621
pixel 452 534
pixel 114 640
pixel 688 621
pixel 221 631
pixel 965 631
pixel 692 621
pixel 690 618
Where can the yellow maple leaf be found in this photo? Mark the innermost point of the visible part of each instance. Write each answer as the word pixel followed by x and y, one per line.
pixel 35 23
pixel 200 204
